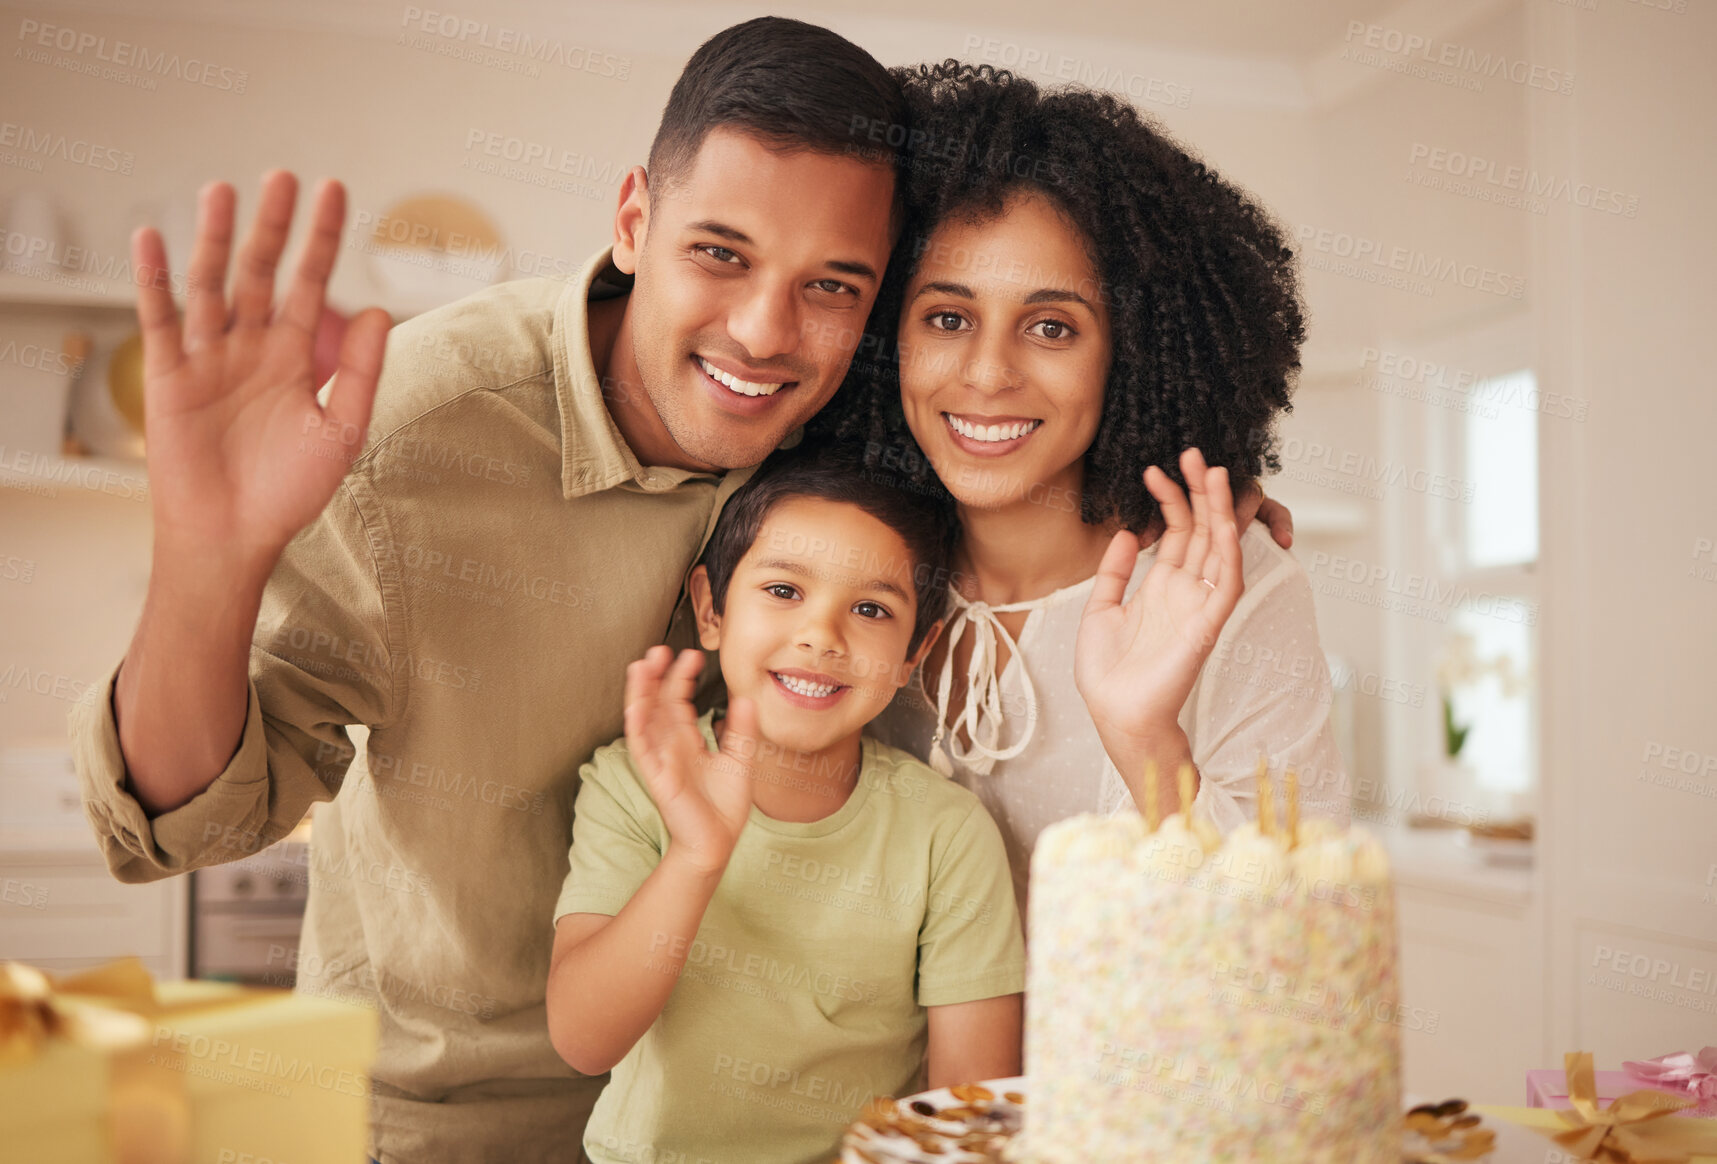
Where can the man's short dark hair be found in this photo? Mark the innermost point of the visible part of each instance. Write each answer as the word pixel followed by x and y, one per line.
pixel 924 519
pixel 792 85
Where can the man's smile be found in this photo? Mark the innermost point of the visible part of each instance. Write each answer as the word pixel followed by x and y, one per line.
pixel 733 382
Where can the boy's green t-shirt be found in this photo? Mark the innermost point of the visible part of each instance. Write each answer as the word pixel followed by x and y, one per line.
pixel 804 991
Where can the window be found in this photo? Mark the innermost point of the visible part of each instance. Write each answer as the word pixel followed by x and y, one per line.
pixel 1472 536
pixel 1502 466
pixel 1494 704
pixel 1500 546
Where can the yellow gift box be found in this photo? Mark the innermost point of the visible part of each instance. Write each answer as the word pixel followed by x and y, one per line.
pixel 109 1066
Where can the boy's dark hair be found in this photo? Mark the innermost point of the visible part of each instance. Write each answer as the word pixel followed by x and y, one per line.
pixel 1203 298
pixel 924 520
pixel 792 85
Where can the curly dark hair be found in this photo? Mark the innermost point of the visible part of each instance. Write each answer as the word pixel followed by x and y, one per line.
pixel 1204 304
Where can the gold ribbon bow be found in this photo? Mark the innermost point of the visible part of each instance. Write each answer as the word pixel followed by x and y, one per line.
pixel 113 1009
pixel 1631 1130
pixel 100 1008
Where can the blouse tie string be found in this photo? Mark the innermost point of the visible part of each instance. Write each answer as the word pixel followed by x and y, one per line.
pixel 982 715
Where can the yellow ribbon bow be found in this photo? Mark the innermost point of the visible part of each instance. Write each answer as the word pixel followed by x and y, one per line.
pixel 1631 1130
pixel 101 1008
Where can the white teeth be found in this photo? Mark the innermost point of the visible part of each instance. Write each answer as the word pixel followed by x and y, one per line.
pixel 802 687
pixel 743 387
pixel 991 432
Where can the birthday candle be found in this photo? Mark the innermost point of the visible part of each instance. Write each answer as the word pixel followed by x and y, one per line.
pixel 1266 799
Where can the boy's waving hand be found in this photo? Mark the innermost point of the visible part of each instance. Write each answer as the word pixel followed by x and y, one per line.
pixel 704 797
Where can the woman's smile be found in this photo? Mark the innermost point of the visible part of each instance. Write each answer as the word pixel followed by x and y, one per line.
pixel 989 436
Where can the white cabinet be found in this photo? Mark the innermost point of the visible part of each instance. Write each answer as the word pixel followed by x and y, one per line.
pixel 62 910
pixel 1472 980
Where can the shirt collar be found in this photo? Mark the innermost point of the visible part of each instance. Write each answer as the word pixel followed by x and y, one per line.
pixel 594 456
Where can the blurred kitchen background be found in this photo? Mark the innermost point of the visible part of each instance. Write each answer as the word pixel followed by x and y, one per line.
pixel 1498 460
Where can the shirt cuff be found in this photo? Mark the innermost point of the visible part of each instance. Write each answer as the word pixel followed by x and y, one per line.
pixel 992 983
pixel 221 823
pixel 609 904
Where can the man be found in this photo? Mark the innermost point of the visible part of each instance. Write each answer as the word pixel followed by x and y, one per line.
pixel 463 555
pixel 468 570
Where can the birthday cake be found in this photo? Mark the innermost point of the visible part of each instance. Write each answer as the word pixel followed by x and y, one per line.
pixel 1195 998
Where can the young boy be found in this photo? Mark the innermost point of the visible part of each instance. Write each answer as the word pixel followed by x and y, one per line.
pixel 760 938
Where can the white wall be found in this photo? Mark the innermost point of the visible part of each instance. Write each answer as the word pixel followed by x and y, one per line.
pixel 1629 666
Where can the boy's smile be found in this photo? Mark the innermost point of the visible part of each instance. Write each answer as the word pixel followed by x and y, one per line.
pixel 808 688
pixel 815 627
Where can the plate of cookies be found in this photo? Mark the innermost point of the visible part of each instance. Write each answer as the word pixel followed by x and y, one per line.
pixel 966 1124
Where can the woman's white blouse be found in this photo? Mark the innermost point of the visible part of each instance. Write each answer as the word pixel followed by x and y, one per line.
pixel 1265 689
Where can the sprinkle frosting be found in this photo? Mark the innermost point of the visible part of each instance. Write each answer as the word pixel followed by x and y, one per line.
pixel 1223 1003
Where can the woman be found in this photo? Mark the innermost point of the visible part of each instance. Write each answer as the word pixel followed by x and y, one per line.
pixel 1075 297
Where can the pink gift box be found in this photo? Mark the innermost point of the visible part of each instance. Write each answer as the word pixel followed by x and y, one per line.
pixel 1549 1088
